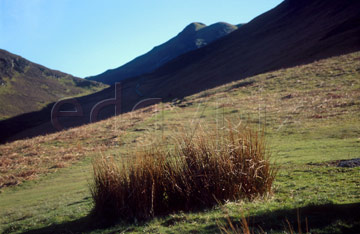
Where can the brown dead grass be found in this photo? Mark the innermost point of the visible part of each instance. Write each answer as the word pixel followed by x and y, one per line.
pixel 327 89
pixel 27 159
pixel 194 170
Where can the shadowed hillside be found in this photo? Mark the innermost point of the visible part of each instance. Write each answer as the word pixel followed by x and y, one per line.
pixel 27 87
pixel 194 36
pixel 293 33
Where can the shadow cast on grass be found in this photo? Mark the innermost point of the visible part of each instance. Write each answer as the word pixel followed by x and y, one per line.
pixel 344 218
pixel 318 216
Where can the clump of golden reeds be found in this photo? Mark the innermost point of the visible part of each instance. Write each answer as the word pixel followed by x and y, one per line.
pixel 191 171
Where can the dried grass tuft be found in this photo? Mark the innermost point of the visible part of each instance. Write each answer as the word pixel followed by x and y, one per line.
pixel 191 171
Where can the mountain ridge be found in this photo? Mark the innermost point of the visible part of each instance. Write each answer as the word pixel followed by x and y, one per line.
pixel 192 37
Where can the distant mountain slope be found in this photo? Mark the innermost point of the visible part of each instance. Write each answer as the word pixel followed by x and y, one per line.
pixel 295 32
pixel 26 86
pixel 194 36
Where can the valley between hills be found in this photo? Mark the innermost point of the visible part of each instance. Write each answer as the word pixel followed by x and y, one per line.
pixel 255 129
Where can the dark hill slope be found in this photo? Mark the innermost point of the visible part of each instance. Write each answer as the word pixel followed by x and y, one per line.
pixel 293 33
pixel 27 87
pixel 194 36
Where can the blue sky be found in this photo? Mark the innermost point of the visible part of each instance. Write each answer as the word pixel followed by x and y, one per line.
pixel 87 37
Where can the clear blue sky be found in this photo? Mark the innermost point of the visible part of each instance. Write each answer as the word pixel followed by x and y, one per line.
pixel 87 37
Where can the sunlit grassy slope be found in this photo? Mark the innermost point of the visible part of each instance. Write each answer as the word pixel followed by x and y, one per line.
pixel 311 116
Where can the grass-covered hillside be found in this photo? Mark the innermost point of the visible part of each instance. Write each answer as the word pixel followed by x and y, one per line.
pixel 311 118
pixel 291 34
pixel 27 87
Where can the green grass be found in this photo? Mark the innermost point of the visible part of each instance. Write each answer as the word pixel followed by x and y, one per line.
pixel 318 124
pixel 58 197
pixel 63 197
pixel 8 88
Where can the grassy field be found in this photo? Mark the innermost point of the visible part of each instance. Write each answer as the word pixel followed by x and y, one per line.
pixel 311 117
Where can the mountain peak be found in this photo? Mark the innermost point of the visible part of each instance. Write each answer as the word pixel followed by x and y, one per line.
pixel 193 27
pixel 222 26
pixel 192 37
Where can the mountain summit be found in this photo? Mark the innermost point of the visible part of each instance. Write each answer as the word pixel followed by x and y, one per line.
pixel 192 28
pixel 192 37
